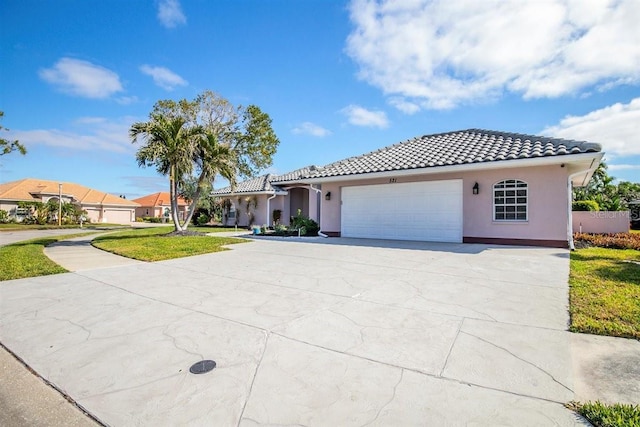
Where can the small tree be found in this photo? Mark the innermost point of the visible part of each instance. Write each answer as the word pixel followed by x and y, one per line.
pixel 7 146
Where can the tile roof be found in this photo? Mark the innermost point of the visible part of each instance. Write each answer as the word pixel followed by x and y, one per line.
pixel 28 189
pixel 430 151
pixel 455 148
pixel 263 183
pixel 259 184
pixel 158 199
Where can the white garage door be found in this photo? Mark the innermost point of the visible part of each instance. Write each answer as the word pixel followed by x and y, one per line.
pixel 117 216
pixel 425 211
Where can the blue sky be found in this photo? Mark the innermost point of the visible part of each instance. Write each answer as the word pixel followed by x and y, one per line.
pixel 337 78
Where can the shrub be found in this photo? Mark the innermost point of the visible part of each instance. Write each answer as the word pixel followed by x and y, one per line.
pixel 306 225
pixel 203 219
pixel 152 219
pixel 611 241
pixel 585 205
pixel 4 216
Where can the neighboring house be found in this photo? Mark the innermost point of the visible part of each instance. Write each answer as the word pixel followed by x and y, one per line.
pixel 474 186
pixel 158 205
pixel 100 206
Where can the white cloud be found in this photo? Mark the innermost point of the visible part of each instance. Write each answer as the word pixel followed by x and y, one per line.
pixel 623 167
pixel 308 128
pixel 127 100
pixel 403 105
pixel 82 78
pixel 145 184
pixel 163 77
pixel 87 133
pixel 438 54
pixel 170 13
pixel 360 116
pixel 615 127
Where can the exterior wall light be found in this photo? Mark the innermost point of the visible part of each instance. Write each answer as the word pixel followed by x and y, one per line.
pixel 476 188
pixel 328 195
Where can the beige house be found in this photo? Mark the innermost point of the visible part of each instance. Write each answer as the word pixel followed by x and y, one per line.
pixel 158 205
pixel 100 206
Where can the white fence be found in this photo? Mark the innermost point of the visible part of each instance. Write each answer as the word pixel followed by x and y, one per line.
pixel 601 221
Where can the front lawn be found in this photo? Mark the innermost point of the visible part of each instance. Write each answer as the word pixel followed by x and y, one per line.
pixel 605 292
pixel 23 227
pixel 153 244
pixel 27 259
pixel 215 228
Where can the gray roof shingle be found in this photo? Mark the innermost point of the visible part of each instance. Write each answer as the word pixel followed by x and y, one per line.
pixel 254 185
pixel 429 151
pixel 263 183
pixel 455 148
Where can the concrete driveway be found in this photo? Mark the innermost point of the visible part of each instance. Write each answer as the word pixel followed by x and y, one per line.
pixel 323 332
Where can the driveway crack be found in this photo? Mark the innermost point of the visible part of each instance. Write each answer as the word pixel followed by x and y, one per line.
pixel 391 399
pixel 519 358
pixel 453 342
pixel 255 374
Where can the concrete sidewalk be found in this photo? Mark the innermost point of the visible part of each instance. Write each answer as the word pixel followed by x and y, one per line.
pixel 77 255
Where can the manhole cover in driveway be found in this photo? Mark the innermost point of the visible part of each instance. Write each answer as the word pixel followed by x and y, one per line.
pixel 202 367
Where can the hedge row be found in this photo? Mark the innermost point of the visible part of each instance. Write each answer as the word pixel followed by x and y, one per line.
pixel 612 241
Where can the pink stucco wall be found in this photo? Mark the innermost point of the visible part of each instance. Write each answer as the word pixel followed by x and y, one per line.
pixel 548 202
pixel 601 222
pixel 263 213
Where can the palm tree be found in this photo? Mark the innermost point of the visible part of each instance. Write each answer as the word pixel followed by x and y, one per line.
pixel 170 146
pixel 212 158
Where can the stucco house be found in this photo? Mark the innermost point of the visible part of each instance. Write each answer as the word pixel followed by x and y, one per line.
pixel 472 186
pixel 158 205
pixel 100 206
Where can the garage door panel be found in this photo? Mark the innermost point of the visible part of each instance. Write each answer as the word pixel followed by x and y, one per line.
pixel 428 211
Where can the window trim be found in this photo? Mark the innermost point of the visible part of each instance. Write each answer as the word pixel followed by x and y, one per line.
pixel 515 183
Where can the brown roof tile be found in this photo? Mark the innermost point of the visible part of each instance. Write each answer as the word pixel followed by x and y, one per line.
pixel 29 188
pixel 159 199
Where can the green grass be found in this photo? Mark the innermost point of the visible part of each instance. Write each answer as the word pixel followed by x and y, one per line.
pixel 601 415
pixel 604 292
pixel 27 259
pixel 214 228
pixel 149 244
pixel 24 227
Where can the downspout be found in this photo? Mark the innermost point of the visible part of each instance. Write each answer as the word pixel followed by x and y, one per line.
pixel 570 206
pixel 269 208
pixel 318 192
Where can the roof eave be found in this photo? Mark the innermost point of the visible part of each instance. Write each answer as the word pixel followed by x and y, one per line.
pixel 567 159
pixel 252 193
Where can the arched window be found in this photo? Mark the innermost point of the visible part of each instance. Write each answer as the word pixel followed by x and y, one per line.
pixel 510 200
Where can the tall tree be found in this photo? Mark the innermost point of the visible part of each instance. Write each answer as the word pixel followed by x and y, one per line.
pixel 218 139
pixel 7 146
pixel 169 145
pixel 211 158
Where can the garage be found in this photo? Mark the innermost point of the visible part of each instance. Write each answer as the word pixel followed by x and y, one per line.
pixel 117 216
pixel 423 211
